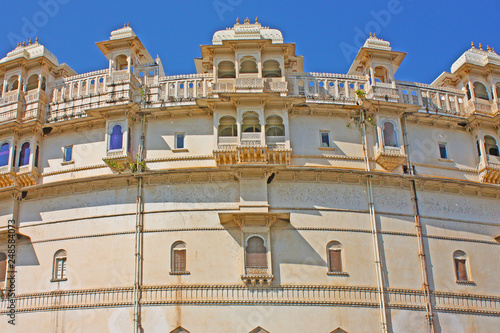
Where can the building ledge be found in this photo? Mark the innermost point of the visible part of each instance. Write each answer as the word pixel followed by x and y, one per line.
pixel 180 273
pixel 345 274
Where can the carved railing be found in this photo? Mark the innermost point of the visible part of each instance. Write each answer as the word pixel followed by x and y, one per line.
pixel 183 88
pixel 80 86
pixel 237 294
pixel 251 139
pixel 432 99
pixel 11 97
pixel 274 142
pixel 227 142
pixel 334 88
pixel 481 106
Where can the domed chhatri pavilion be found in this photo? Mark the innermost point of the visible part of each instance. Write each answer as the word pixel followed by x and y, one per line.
pixel 250 197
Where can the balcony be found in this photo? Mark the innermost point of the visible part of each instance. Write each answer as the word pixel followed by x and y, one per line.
pixel 254 277
pixel 481 106
pixel 251 139
pixel 383 92
pixel 118 160
pixel 7 176
pixel 229 152
pixel 390 157
pixel 27 175
pixel 490 173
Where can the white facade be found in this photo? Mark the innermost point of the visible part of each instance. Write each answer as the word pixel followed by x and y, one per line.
pixel 250 196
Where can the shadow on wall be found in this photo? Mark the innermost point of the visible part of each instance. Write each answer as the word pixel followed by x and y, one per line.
pixel 294 250
pixel 26 255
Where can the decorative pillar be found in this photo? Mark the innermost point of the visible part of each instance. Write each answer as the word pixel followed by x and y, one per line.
pixel 372 75
pixel 472 93
pixel 129 64
pixel 447 101
pixel 483 160
pixel 39 82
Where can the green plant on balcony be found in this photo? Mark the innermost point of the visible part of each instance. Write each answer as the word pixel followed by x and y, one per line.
pixel 138 166
pixel 114 165
pixel 361 94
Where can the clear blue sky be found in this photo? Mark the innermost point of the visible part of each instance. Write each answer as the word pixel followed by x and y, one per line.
pixel 433 33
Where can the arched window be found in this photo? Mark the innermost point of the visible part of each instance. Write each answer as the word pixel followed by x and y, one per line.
pixel 24 155
pixel 226 69
pixel 390 135
pixel 271 68
pixel 497 87
pixel 121 62
pixel 227 126
pixel 381 73
pixel 248 65
pixel 490 144
pixel 3 270
pixel 480 91
pixel 334 254
pixel 256 253
pixel 13 83
pixel 116 138
pixel 250 122
pixel 178 257
pixel 460 261
pixel 4 154
pixel 32 82
pixel 274 126
pixel 59 266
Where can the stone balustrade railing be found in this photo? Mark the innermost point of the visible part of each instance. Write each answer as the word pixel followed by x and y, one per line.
pixel 451 101
pixel 332 88
pixel 290 295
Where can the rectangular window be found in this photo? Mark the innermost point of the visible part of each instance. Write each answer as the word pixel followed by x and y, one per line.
pixel 325 139
pixel 461 270
pixel 335 261
pixel 68 153
pixel 179 140
pixel 60 269
pixel 443 153
pixel 180 260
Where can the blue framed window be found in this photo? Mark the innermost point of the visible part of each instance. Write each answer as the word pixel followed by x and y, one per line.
pixel 116 138
pixel 179 141
pixel 4 154
pixel 24 155
pixel 68 154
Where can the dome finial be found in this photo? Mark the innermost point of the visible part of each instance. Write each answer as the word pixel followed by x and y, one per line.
pixel 371 35
pixel 480 46
pixel 256 19
pixel 237 20
pixel 472 45
pixel 247 20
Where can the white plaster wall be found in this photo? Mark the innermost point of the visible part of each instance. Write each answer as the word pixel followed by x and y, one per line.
pixel 424 147
pixel 88 149
pixel 198 138
pixel 305 139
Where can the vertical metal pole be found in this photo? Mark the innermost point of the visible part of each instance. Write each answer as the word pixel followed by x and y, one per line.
pixel 420 238
pixel 139 224
pixel 374 231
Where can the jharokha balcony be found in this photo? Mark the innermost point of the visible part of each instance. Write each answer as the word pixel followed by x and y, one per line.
pixel 390 157
pixel 250 150
pixel 490 171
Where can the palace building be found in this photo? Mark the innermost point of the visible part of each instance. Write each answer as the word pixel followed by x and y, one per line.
pixel 251 196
